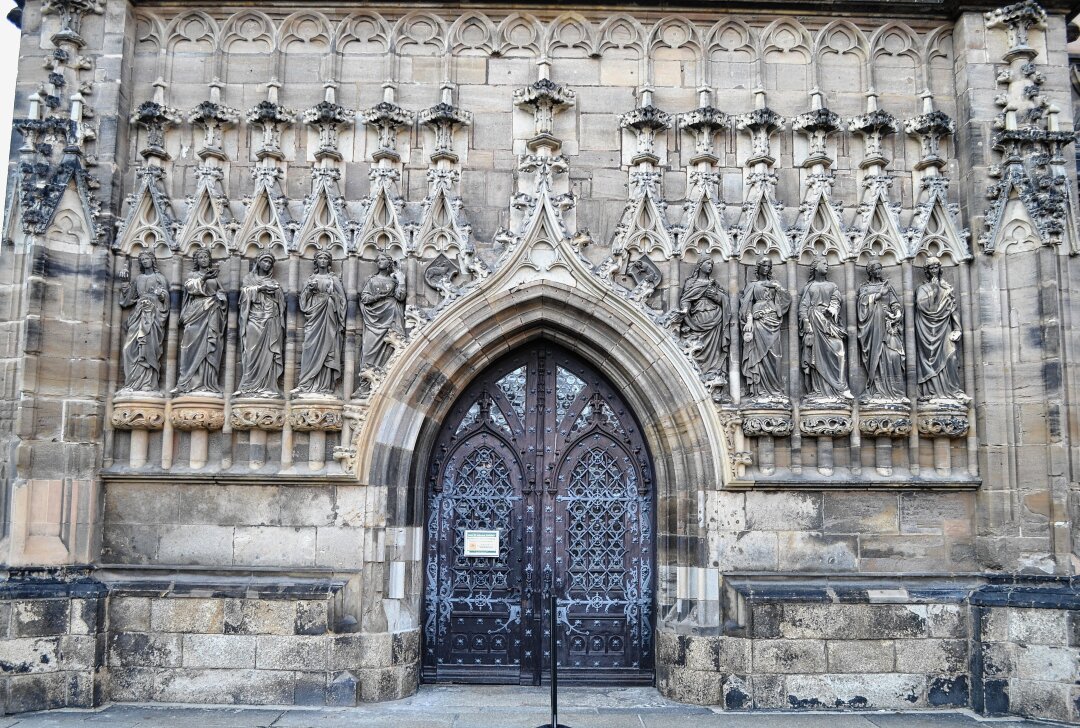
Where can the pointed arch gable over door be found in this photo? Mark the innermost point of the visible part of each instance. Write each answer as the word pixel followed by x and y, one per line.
pixel 678 420
pixel 541 449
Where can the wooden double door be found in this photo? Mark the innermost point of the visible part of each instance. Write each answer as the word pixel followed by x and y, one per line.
pixel 542 449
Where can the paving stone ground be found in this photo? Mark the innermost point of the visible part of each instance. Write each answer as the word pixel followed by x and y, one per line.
pixel 494 707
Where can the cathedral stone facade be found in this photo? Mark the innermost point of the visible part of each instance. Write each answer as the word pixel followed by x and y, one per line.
pixel 334 341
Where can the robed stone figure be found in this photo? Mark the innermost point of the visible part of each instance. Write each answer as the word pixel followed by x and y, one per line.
pixel 823 358
pixel 880 317
pixel 762 306
pixel 707 314
pixel 937 333
pixel 382 306
pixel 148 298
pixel 202 318
pixel 262 331
pixel 324 306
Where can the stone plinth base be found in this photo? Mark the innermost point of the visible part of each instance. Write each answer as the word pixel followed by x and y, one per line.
pixel 138 411
pixel 885 419
pixel 766 420
pixel 198 412
pixel 257 413
pixel 943 418
pixel 314 413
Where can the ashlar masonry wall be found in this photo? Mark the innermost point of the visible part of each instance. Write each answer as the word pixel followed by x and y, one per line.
pixel 850 554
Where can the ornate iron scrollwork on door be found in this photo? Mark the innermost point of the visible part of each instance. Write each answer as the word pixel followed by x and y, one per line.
pixel 587 527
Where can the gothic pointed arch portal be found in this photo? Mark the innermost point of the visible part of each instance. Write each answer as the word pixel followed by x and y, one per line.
pixel 543 450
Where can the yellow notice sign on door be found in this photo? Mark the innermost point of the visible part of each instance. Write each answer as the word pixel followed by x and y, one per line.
pixel 482 544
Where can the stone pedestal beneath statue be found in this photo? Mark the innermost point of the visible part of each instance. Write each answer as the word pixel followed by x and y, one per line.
pixel 198 414
pixel 943 420
pixel 317 415
pixel 257 413
pixel 831 419
pixel 766 421
pixel 139 412
pixel 825 419
pixel 946 418
pixel 885 418
pixel 192 412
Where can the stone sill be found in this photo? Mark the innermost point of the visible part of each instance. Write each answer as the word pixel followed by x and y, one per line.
pixel 223 479
pixel 994 590
pixel 822 483
pixel 246 582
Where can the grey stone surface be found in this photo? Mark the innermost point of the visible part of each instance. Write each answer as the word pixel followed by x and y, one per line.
pixel 482 707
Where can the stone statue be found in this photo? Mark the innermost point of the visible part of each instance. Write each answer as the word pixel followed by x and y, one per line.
pixel 823 358
pixel 762 307
pixel 382 306
pixel 148 298
pixel 937 333
pixel 262 331
pixel 202 317
pixel 881 337
pixel 706 315
pixel 323 303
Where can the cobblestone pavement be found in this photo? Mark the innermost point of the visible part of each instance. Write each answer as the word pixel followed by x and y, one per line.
pixel 494 707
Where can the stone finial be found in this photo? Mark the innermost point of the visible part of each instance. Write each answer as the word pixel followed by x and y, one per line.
pixel 645 121
pixel 327 117
pixel 544 98
pixel 387 117
pixel 214 117
pixel 761 123
pixel 1018 19
pixel 444 118
pixel 272 117
pixel 71 14
pixel 156 118
pixel 874 126
pixel 931 127
pixel 818 124
pixel 704 122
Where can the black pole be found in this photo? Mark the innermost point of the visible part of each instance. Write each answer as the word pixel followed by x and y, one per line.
pixel 553 647
pixel 552 606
